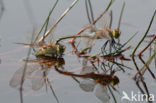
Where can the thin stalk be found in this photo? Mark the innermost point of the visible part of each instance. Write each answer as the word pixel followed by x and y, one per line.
pixel 24 70
pixel 138 85
pixel 120 18
pixel 61 17
pixel 71 36
pixel 148 62
pixel 52 90
pixel 75 79
pixel 2 8
pixel 155 51
pixel 149 45
pixel 147 91
pixel 112 94
pixel 91 10
pixel 119 64
pixel 46 21
pixel 150 50
pixel 144 34
pixel 145 65
pixel 111 19
pixel 94 22
pixel 133 53
pixel 87 11
pixel 107 8
pixel 128 41
pixel 121 14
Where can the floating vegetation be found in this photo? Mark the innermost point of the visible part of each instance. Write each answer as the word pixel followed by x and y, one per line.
pixel 99 70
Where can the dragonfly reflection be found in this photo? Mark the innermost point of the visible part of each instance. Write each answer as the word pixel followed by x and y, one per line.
pixel 37 71
pixel 93 82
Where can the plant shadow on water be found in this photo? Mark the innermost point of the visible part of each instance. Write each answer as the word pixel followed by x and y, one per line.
pixel 99 70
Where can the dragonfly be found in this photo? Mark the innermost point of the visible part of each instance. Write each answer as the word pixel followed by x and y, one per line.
pixel 36 71
pixel 54 50
pixel 89 85
pixel 103 79
pixel 92 82
pixel 104 31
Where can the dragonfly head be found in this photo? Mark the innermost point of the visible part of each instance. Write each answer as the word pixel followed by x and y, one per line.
pixel 115 80
pixel 60 49
pixel 116 33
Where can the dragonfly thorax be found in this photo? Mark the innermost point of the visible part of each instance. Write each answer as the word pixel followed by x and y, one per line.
pixel 104 33
pixel 51 49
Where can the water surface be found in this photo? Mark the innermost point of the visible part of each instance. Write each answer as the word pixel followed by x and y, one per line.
pixel 16 26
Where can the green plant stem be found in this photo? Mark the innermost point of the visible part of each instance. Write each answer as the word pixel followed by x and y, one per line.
pixel 61 17
pixel 144 34
pixel 133 53
pixel 71 36
pixel 110 3
pixel 46 21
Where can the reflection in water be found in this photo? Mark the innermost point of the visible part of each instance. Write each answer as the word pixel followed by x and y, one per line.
pixel 37 72
pixel 91 80
pixel 98 72
pixel 88 85
pixel 139 76
pixel 1 8
pixel 1 13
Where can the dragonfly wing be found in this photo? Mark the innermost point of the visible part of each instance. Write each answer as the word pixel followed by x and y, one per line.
pixel 87 85
pixel 104 21
pixel 17 77
pixel 90 31
pixel 87 69
pixel 31 67
pixel 38 80
pixel 101 93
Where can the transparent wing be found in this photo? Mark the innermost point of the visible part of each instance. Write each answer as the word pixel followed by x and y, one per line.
pixel 87 85
pixel 87 69
pixel 105 21
pixel 101 93
pixel 39 79
pixel 17 76
pixel 88 42
pixel 90 31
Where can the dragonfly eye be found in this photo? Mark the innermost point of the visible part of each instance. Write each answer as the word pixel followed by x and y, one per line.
pixel 116 33
pixel 115 80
